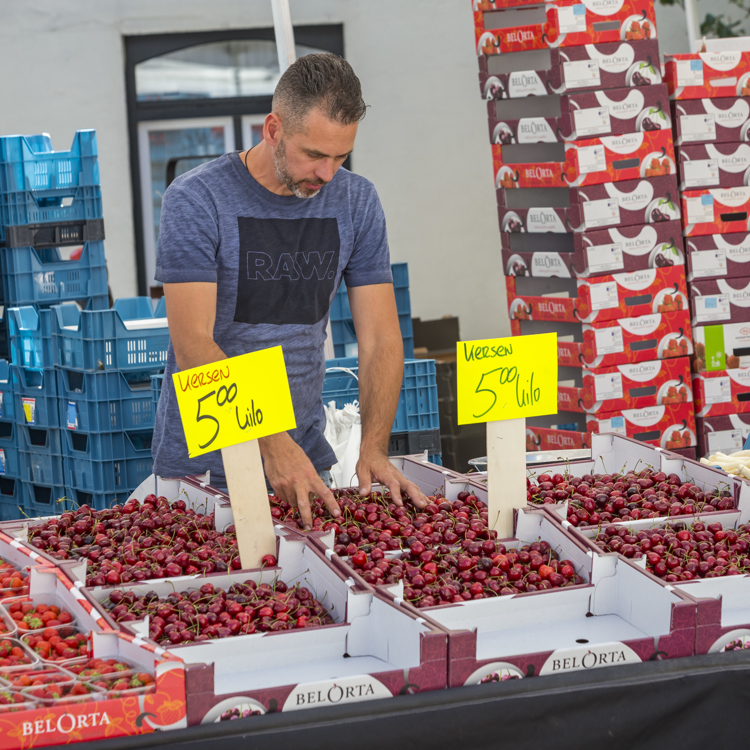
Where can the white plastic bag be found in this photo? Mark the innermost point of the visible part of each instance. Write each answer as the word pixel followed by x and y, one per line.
pixel 344 433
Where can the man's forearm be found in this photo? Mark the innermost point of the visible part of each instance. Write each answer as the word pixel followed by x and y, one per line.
pixel 381 372
pixel 197 353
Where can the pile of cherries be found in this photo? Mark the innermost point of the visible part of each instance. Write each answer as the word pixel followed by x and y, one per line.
pixel 211 612
pixel 132 542
pixel 602 498
pixel 678 552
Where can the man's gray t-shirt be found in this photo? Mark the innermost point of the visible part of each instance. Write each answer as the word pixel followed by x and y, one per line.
pixel 277 262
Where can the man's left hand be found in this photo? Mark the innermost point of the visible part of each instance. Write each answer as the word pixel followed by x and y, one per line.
pixel 376 467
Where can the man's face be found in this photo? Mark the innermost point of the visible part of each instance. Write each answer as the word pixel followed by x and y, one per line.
pixel 308 159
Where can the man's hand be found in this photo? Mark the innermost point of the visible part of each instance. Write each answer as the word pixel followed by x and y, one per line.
pixel 375 467
pixel 293 477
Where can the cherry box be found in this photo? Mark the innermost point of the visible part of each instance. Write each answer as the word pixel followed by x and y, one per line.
pixel 709 75
pixel 715 256
pixel 630 386
pixel 557 210
pixel 720 300
pixel 586 162
pixel 711 120
pixel 373 650
pixel 566 23
pixel 554 71
pixel 594 253
pixel 722 392
pixel 572 116
pixel 721 347
pixel 715 211
pixel 726 433
pixel 707 165
pixel 548 439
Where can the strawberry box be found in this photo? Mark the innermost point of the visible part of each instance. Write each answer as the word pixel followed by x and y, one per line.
pixel 711 120
pixel 707 75
pixel 371 650
pixel 707 165
pixel 594 253
pixel 722 392
pixel 557 210
pixel 720 300
pixel 667 426
pixel 726 433
pixel 715 211
pixel 162 707
pixel 630 386
pixel 640 339
pixel 566 23
pixel 604 298
pixel 587 162
pixel 572 116
pixel 555 71
pixel 721 347
pixel 716 256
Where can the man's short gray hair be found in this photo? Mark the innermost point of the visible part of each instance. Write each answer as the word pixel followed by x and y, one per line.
pixel 323 80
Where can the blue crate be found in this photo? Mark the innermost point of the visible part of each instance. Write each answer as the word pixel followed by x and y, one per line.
pixel 42 468
pixel 35 397
pixel 9 455
pixel 106 446
pixel 97 501
pixel 435 458
pixel 11 499
pixel 39 439
pixel 44 499
pixel 28 162
pixel 7 402
pixel 94 340
pixel 156 390
pixel 417 403
pixel 4 338
pixel 31 339
pixel 104 401
pixel 345 340
pixel 43 277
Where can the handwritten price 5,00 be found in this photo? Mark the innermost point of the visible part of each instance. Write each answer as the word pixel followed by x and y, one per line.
pixel 507 376
pixel 226 395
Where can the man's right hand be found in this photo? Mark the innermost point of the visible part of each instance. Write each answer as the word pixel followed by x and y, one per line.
pixel 292 476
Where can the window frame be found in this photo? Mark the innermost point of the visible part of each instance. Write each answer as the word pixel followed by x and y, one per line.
pixel 138 49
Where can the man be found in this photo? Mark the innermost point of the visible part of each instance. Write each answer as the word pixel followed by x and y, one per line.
pixel 252 248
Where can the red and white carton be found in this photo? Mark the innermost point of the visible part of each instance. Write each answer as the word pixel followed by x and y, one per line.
pixel 722 392
pixel 715 211
pixel 161 709
pixel 556 71
pixel 707 165
pixel 720 301
pixel 718 256
pixel 724 433
pixel 631 386
pixel 615 204
pixel 578 115
pixel 707 75
pixel 373 650
pixel 640 339
pixel 711 120
pixel 598 252
pixel 668 427
pixel 548 439
pixel 724 346
pixel 599 624
pixel 566 23
pixel 605 298
pixel 586 162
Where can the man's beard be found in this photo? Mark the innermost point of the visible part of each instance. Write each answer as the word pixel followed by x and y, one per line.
pixel 282 174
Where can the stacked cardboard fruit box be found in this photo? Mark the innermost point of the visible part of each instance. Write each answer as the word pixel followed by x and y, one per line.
pixel 711 116
pixel 589 213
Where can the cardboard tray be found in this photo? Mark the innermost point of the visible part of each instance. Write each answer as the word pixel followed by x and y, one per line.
pixel 711 120
pixel 709 165
pixel 715 211
pixel 726 433
pixel 707 75
pixel 718 256
pixel 723 392
pixel 720 301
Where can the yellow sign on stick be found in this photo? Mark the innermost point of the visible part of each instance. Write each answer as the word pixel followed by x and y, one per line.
pixel 501 379
pixel 234 400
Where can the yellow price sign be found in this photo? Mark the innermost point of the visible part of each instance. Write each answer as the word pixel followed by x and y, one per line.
pixel 234 400
pixel 506 378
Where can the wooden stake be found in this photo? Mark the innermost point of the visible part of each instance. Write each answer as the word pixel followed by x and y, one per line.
pixel 250 507
pixel 506 473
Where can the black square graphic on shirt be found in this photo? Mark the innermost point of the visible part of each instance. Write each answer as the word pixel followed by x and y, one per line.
pixel 287 270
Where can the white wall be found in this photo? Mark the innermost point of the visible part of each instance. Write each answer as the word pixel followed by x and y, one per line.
pixel 424 142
